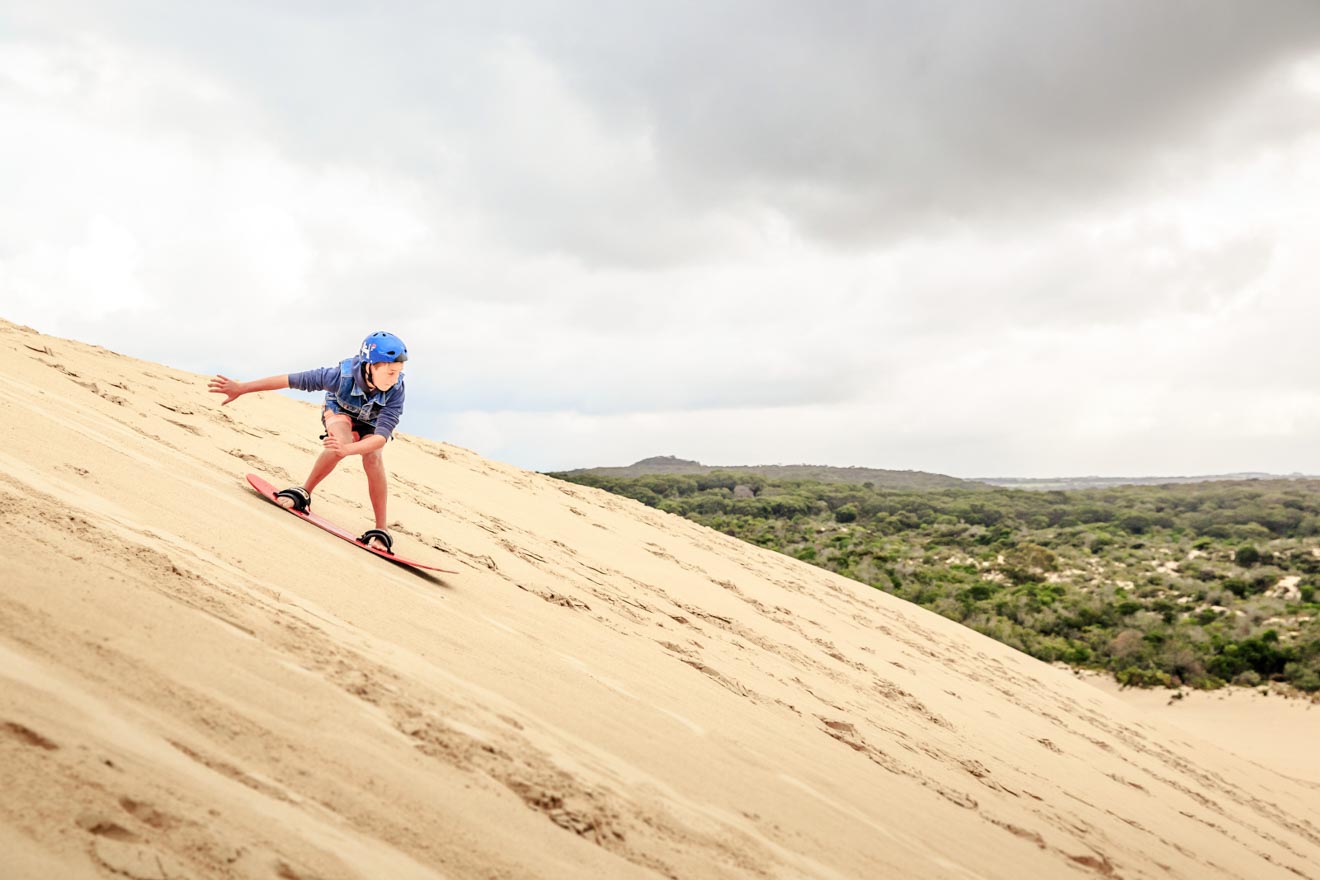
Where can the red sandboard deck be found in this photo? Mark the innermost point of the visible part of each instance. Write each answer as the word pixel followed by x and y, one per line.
pixel 267 491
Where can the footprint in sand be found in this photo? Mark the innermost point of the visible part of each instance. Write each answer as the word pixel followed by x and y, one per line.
pixel 27 736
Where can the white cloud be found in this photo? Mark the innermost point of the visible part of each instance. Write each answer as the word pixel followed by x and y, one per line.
pixel 125 215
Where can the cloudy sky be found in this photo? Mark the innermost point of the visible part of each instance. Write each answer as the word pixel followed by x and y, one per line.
pixel 1019 238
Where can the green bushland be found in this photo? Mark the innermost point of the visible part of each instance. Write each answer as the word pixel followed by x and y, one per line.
pixel 1193 584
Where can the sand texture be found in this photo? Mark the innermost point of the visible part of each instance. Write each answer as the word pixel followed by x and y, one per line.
pixel 194 683
pixel 1263 726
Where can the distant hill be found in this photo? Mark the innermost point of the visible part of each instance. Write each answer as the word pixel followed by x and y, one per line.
pixel 891 479
pixel 1048 484
pixel 886 479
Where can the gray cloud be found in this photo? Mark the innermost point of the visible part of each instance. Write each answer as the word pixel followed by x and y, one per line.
pixel 916 108
pixel 622 133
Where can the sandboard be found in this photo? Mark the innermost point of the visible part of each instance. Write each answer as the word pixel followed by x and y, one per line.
pixel 267 491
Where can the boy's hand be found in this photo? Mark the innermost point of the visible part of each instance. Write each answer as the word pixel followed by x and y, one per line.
pixel 228 387
pixel 332 444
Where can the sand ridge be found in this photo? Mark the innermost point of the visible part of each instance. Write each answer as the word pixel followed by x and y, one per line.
pixel 193 683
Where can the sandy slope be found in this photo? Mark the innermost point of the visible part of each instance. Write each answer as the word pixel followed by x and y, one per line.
pixel 1266 728
pixel 193 683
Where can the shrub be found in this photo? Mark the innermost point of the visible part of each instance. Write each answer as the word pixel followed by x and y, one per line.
pixel 1135 523
pixel 1262 654
pixel 1304 677
pixel 979 592
pixel 1246 556
pixel 1028 562
pixel 1237 586
pixel 1136 677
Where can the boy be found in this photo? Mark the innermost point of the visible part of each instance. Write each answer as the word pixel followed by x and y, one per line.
pixel 363 404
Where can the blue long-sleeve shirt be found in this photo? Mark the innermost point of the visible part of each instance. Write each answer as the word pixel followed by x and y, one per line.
pixel 346 393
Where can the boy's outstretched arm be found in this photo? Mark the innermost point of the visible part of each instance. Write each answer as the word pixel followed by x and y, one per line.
pixel 233 390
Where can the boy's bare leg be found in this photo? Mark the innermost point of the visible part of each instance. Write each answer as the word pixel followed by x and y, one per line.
pixel 326 461
pixel 377 486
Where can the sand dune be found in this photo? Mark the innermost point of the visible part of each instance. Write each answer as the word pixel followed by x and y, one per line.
pixel 195 684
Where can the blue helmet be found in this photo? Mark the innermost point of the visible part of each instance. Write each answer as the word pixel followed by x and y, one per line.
pixel 383 348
